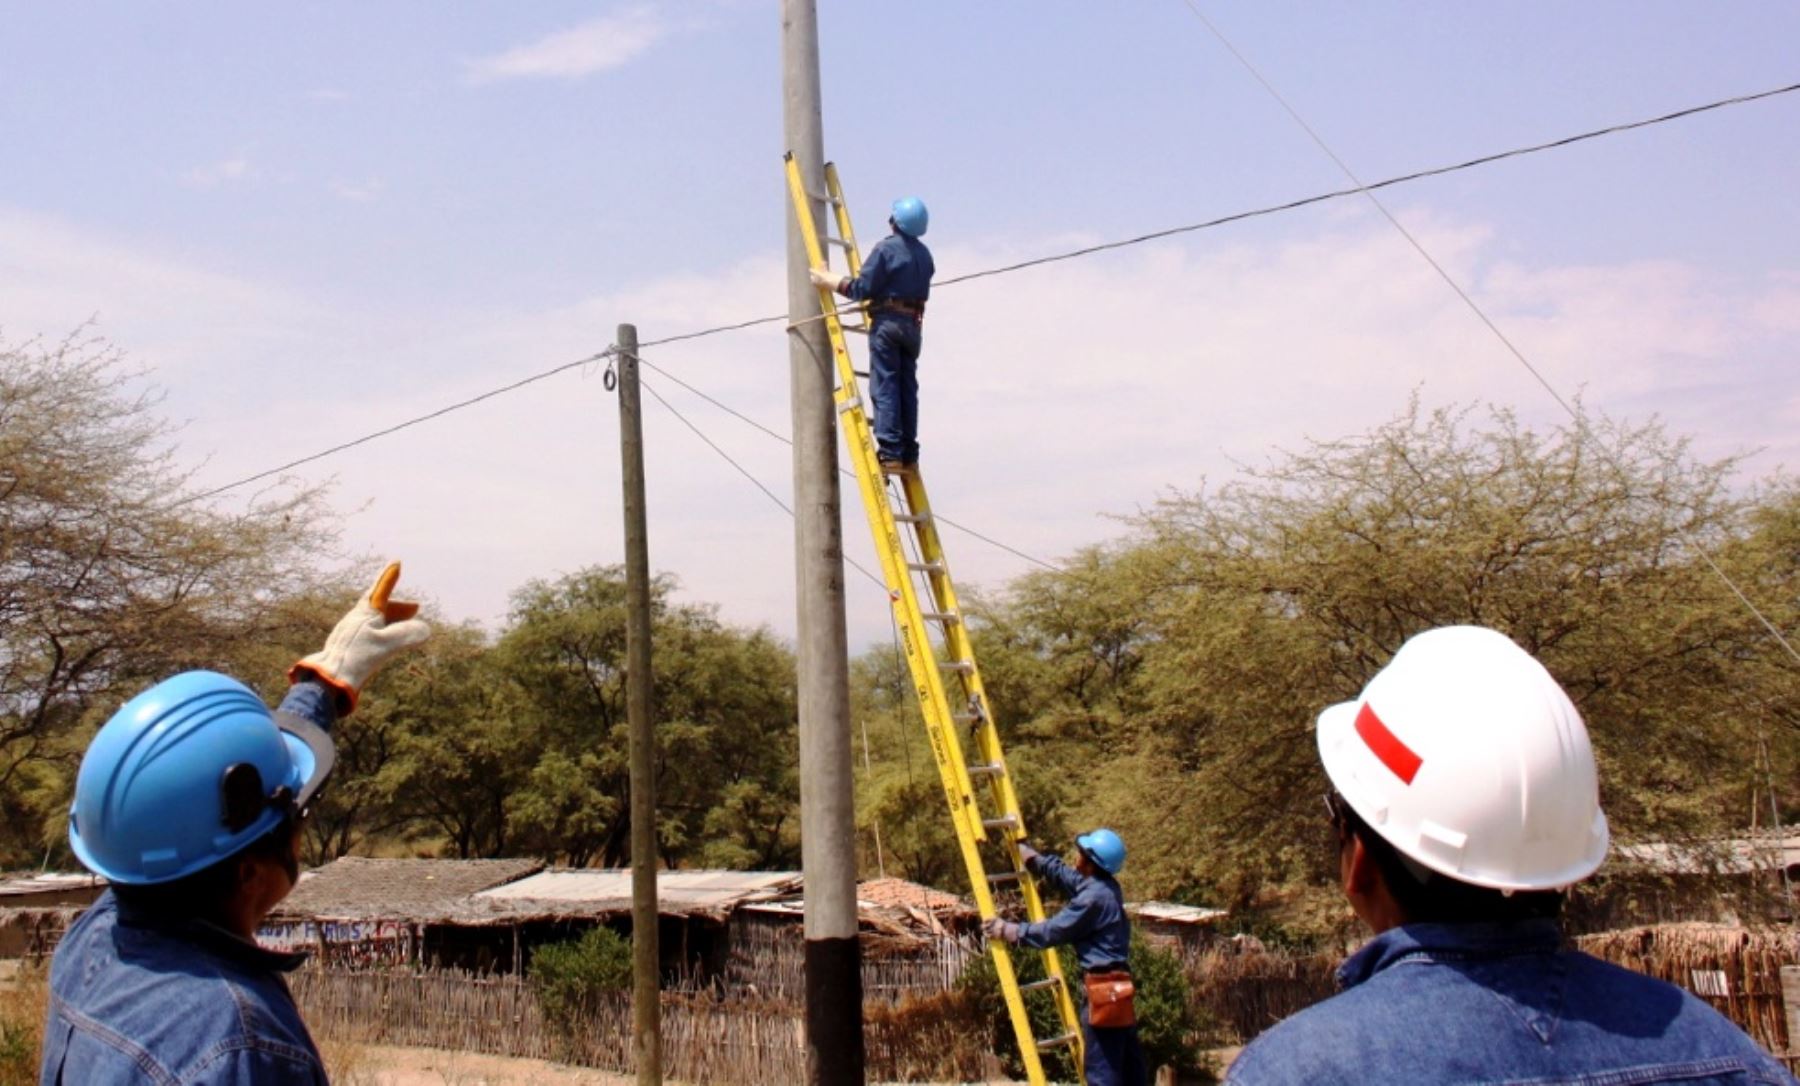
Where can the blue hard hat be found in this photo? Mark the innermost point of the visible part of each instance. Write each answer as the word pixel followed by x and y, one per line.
pixel 910 217
pixel 1104 848
pixel 188 773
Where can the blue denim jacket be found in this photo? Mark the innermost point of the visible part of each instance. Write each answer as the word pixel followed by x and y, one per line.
pixel 1479 1004
pixel 898 268
pixel 1094 919
pixel 134 999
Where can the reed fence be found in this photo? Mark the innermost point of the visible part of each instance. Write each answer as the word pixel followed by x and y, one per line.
pixel 713 1035
pixel 705 1039
pixel 1736 970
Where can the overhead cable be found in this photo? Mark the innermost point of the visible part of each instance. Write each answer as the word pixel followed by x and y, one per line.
pixel 1048 259
pixel 397 427
pixel 1474 307
pixel 846 472
pixel 741 469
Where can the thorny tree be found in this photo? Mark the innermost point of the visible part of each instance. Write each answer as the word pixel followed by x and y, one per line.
pixel 110 577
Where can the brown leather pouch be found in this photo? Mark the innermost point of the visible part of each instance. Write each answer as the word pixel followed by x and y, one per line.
pixel 1109 1000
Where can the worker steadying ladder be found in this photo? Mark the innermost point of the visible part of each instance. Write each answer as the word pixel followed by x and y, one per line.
pixel 895 281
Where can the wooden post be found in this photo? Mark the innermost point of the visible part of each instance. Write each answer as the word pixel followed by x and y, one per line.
pixel 646 962
pixel 1790 1003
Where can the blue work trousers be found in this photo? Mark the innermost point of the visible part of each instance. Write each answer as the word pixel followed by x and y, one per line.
pixel 894 343
pixel 1113 1056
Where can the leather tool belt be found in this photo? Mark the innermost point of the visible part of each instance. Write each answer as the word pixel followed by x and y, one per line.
pixel 915 310
pixel 1109 998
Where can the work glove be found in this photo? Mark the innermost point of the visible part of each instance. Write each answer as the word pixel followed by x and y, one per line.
pixel 822 278
pixel 1004 930
pixel 1027 853
pixel 375 629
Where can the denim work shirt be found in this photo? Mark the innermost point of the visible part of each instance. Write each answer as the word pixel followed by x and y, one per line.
pixel 1093 921
pixel 1485 1004
pixel 136 999
pixel 899 269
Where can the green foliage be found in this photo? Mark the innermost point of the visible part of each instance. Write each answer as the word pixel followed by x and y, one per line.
pixel 112 576
pixel 1167 684
pixel 571 977
pixel 980 984
pixel 1170 1025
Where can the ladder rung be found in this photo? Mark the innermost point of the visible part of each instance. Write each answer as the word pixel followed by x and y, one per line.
pixel 966 718
pixel 859 329
pixel 1004 822
pixel 1004 876
pixel 948 618
pixel 913 518
pixel 1040 985
pixel 822 197
pixel 925 567
pixel 850 404
pixel 963 666
pixel 987 769
pixel 839 242
pixel 1061 1040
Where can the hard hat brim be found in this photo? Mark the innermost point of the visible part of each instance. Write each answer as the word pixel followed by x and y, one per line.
pixel 1349 765
pixel 313 753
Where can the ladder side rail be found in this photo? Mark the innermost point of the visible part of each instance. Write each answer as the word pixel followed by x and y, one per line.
pixel 846 231
pixel 928 684
pixel 960 645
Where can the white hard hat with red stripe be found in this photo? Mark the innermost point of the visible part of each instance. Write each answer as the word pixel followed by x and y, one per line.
pixel 1466 756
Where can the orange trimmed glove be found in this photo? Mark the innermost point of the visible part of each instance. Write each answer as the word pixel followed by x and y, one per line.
pixel 375 629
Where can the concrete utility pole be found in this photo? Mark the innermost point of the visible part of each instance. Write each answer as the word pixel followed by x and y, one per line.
pixel 646 979
pixel 834 1040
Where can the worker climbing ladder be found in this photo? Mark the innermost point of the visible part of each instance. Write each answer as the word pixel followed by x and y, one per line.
pixel 942 667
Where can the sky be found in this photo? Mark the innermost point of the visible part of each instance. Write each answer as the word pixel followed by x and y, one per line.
pixel 312 221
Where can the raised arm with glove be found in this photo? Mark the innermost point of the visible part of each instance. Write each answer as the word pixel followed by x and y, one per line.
pixel 363 640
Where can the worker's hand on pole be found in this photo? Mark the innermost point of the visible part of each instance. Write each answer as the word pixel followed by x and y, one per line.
pixel 363 640
pixel 822 278
pixel 1004 930
pixel 1027 853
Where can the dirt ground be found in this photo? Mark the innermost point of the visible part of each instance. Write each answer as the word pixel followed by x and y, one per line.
pixel 385 1065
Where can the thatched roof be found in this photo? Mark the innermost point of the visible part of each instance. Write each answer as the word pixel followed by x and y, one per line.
pixel 355 888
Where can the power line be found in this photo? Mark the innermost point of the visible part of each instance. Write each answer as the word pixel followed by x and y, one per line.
pixel 1049 259
pixel 1692 544
pixel 397 427
pixel 785 440
pixel 1361 189
pixel 741 469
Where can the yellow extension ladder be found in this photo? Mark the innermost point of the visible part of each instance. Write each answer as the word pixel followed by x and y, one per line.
pixel 944 675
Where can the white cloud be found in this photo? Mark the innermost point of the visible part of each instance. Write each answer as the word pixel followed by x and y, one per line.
pixel 359 192
pixel 187 321
pixel 595 46
pixel 1051 399
pixel 224 172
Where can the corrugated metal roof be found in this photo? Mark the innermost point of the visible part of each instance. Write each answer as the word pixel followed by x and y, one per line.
pixel 48 882
pixel 699 889
pixel 1715 856
pixel 1170 913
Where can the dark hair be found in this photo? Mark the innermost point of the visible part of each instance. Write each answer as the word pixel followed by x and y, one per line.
pixel 1427 897
pixel 205 893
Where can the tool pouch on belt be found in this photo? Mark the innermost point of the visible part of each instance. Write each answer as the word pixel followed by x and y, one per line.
pixel 1109 1000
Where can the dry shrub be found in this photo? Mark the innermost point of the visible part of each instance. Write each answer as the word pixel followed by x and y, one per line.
pixel 344 1061
pixel 24 1001
pixel 936 1038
